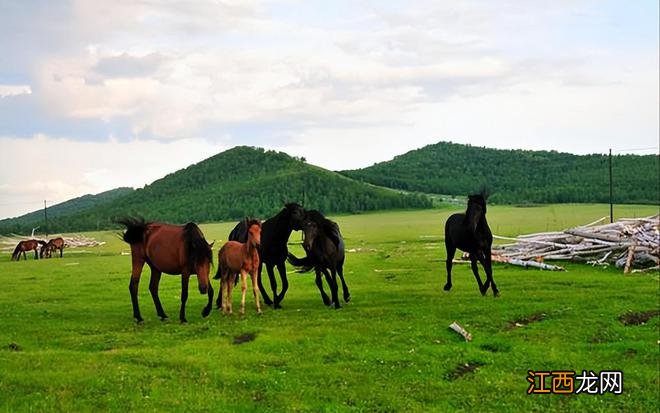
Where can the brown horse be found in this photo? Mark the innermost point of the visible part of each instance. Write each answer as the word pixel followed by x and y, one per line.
pixel 23 246
pixel 52 245
pixel 237 257
pixel 170 249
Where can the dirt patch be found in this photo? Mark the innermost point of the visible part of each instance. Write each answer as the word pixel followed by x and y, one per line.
pixel 496 347
pixel 463 369
pixel 244 338
pixel 635 319
pixel 523 321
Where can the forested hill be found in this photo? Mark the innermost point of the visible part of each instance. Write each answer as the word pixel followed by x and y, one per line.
pixel 230 185
pixel 517 176
pixel 36 218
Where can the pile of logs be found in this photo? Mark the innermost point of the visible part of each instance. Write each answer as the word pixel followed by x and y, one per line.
pixel 628 243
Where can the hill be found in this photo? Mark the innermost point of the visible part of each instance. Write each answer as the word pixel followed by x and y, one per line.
pixel 230 185
pixel 517 176
pixel 25 223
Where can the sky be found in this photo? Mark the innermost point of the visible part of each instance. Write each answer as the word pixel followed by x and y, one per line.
pixel 96 95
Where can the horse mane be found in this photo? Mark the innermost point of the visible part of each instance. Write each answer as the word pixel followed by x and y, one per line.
pixel 328 227
pixel 197 248
pixel 135 227
pixel 249 221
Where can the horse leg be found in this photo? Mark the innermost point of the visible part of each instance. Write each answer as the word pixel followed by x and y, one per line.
pixel 184 297
pixel 221 289
pixel 230 287
pixel 273 283
pixel 281 268
pixel 243 290
pixel 334 287
pixel 451 250
pixel 255 292
pixel 475 271
pixel 319 284
pixel 61 251
pixel 153 289
pixel 340 271
pixel 224 291
pixel 207 310
pixel 136 271
pixel 486 262
pixel 36 256
pixel 267 299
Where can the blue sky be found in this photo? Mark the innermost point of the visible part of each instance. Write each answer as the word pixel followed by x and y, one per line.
pixel 153 86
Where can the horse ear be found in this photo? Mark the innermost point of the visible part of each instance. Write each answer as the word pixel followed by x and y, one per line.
pixel 211 244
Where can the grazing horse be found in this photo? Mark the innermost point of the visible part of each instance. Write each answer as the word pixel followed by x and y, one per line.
pixel 324 248
pixel 170 249
pixel 470 233
pixel 23 246
pixel 275 234
pixel 239 257
pixel 50 246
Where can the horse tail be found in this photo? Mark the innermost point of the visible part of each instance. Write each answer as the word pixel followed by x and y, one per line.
pixel 218 273
pixel 305 264
pixel 197 248
pixel 135 228
pixel 16 251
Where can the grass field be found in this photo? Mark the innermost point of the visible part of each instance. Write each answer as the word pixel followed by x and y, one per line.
pixel 68 341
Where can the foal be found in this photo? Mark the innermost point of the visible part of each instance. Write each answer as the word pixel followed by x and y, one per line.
pixel 237 257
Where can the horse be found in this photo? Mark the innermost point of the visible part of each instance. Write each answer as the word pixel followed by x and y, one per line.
pixel 239 257
pixel 172 249
pixel 50 246
pixel 27 245
pixel 470 233
pixel 324 248
pixel 275 234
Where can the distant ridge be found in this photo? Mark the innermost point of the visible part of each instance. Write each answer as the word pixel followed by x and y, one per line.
pixel 517 176
pixel 36 218
pixel 230 185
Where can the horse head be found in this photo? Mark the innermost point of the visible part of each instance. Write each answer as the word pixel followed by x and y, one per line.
pixel 310 232
pixel 296 215
pixel 254 233
pixel 476 210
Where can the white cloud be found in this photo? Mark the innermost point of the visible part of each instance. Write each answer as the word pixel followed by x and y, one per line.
pixel 58 169
pixel 14 90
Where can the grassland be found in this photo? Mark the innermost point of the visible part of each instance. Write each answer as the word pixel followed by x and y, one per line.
pixel 68 342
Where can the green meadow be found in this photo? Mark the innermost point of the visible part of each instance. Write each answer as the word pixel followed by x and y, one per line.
pixel 68 341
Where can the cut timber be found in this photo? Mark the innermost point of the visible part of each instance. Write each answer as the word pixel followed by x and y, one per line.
pixel 628 243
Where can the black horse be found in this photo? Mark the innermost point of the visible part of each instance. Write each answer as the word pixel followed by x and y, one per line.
pixel 469 232
pixel 275 234
pixel 324 248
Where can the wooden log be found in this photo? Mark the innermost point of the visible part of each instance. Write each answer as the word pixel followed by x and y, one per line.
pixel 631 254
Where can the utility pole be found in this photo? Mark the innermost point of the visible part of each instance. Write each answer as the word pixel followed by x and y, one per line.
pixel 611 206
pixel 46 218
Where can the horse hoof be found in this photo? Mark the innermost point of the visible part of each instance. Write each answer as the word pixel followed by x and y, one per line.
pixel 483 292
pixel 164 319
pixel 347 298
pixel 277 306
pixel 496 294
pixel 184 322
pixel 139 321
pixel 206 312
pixel 447 287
